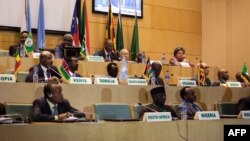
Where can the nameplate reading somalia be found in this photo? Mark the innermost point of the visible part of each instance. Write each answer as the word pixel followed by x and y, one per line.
pixel 207 115
pixel 233 84
pixel 7 78
pixel 157 116
pixel 106 81
pixel 244 114
pixel 95 58
pixel 80 80
pixel 137 82
pixel 187 83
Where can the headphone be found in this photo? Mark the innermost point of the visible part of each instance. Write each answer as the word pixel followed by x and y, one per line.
pixel 50 95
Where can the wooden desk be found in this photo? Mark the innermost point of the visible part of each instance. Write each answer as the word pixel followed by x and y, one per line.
pixel 191 130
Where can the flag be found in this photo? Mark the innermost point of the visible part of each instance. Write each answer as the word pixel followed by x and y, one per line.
pixel 124 70
pixel 110 30
pixel 119 32
pixel 148 70
pixel 75 28
pixel 64 68
pixel 85 49
pixel 41 27
pixel 201 76
pixel 18 63
pixel 244 69
pixel 135 41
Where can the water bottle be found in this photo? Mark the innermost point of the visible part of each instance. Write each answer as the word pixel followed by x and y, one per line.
pixel 144 58
pixel 183 112
pixel 163 59
pixel 167 78
pixel 35 75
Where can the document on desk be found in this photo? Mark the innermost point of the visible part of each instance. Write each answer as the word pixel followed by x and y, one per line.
pixel 74 119
pixel 6 120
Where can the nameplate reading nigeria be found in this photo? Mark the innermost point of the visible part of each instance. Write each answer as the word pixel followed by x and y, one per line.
pixel 234 84
pixel 80 80
pixel 7 78
pixel 157 116
pixel 106 81
pixel 95 58
pixel 207 115
pixel 244 114
pixel 187 83
pixel 137 82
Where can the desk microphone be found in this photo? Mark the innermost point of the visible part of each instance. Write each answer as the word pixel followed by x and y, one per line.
pixel 55 71
pixel 147 107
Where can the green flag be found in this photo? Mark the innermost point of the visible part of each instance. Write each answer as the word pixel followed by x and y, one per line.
pixel 244 69
pixel 119 33
pixel 29 43
pixel 85 49
pixel 135 41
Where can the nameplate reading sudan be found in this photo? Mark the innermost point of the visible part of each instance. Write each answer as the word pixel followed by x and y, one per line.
pixel 137 82
pixel 7 78
pixel 234 84
pixel 207 115
pixel 157 116
pixel 106 81
pixel 80 80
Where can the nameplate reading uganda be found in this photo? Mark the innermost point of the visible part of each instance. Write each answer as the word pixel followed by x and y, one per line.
pixel 106 81
pixel 95 58
pixel 137 82
pixel 187 83
pixel 207 115
pixel 233 84
pixel 244 114
pixel 80 80
pixel 157 116
pixel 7 78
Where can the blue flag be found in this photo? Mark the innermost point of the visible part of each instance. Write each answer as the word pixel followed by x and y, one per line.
pixel 41 27
pixel 124 70
pixel 28 17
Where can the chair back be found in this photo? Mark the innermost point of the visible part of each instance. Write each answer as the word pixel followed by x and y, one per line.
pixel 21 109
pixel 226 108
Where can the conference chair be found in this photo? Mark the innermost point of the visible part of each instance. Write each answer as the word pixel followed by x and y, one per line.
pixel 21 76
pixel 137 110
pixel 112 111
pixel 21 111
pixel 226 108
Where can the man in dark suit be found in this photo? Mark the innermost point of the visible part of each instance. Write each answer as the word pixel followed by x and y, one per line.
pixel 59 50
pixel 20 46
pixel 188 96
pixel 156 79
pixel 159 97
pixel 207 82
pixel 73 66
pixel 44 69
pixel 108 53
pixel 53 106
pixel 243 104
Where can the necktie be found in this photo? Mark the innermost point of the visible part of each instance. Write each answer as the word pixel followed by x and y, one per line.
pixel 55 111
pixel 48 73
pixel 108 58
pixel 22 52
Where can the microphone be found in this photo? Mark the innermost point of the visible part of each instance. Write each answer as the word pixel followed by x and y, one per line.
pixel 145 106
pixel 55 71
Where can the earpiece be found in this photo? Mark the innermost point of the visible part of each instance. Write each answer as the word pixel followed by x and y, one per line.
pixel 50 95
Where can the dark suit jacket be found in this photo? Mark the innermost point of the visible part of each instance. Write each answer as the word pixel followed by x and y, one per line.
pixel 207 83
pixel 190 109
pixel 13 50
pixel 113 56
pixel 165 108
pixel 243 104
pixel 41 77
pixel 41 110
pixel 59 51
pixel 158 81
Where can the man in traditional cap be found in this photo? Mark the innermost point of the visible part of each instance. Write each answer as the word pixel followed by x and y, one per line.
pixel 159 97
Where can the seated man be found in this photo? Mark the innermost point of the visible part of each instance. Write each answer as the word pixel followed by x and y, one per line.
pixel 140 57
pixel 44 69
pixel 159 97
pixel 206 81
pixel 53 106
pixel 124 53
pixel 73 66
pixel 243 104
pixel 59 50
pixel 243 79
pixel 156 79
pixel 112 70
pixel 223 77
pixel 108 53
pixel 188 96
pixel 20 46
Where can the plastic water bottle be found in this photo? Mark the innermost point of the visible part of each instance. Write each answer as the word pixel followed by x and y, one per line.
pixel 35 75
pixel 144 58
pixel 167 78
pixel 163 59
pixel 183 112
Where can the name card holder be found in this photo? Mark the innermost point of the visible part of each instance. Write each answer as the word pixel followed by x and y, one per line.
pixel 244 114
pixel 106 81
pixel 191 83
pixel 234 84
pixel 137 82
pixel 7 78
pixel 207 115
pixel 80 80
pixel 36 55
pixel 95 58
pixel 184 64
pixel 157 116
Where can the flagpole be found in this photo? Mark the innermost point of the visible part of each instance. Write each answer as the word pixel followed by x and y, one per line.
pixel 199 73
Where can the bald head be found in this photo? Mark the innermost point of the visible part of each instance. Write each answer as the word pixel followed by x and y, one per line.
pixel 223 74
pixel 46 59
pixel 67 40
pixel 124 53
pixel 109 45
pixel 205 68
